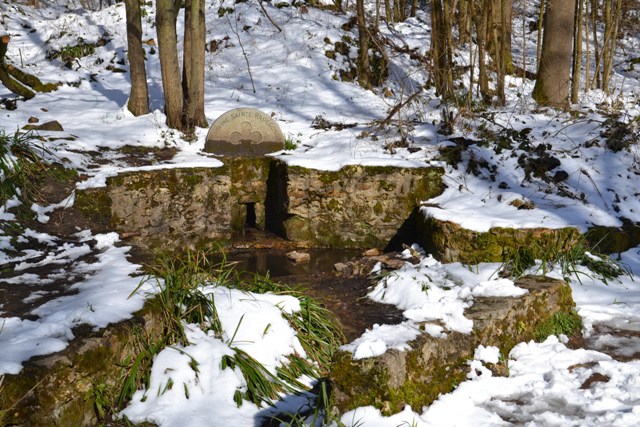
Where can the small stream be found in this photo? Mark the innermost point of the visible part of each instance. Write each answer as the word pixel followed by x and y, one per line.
pixel 344 295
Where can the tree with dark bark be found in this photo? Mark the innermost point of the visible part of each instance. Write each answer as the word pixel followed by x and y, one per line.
pixel 184 97
pixel 193 65
pixel 166 19
pixel 363 68
pixel 554 70
pixel 441 47
pixel 138 102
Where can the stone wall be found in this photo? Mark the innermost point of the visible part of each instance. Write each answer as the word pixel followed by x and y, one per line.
pixel 357 206
pixel 166 209
pixel 433 366
pixel 448 242
pixel 63 389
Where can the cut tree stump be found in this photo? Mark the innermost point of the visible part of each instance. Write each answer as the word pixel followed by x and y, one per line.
pixel 16 80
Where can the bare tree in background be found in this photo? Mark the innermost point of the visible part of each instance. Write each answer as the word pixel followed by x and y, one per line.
pixel 554 70
pixel 166 18
pixel 193 65
pixel 363 68
pixel 138 102
pixel 441 47
pixel 183 93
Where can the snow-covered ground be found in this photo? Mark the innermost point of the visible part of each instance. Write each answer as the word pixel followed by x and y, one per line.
pixel 296 82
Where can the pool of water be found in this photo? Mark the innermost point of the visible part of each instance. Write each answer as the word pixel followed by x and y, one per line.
pixel 345 296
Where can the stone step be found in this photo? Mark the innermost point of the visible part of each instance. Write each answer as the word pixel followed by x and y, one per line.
pixel 433 366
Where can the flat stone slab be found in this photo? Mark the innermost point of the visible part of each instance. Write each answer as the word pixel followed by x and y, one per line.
pixel 244 132
pixel 433 366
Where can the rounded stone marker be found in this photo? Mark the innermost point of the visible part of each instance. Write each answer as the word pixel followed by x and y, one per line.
pixel 244 132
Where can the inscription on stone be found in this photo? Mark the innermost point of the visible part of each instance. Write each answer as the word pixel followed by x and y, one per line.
pixel 244 132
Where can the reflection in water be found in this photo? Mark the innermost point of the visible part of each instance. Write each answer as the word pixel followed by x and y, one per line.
pixel 343 295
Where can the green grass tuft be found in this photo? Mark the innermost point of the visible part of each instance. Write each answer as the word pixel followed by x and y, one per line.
pixel 566 323
pixel 21 159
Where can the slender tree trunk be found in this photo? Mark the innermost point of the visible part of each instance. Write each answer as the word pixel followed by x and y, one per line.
pixel 577 51
pixel 439 50
pixel 387 10
pixel 139 97
pixel 464 21
pixel 524 40
pixel 554 73
pixel 539 43
pixel 587 59
pixel 481 18
pixel 166 17
pixel 193 65
pixel 596 48
pixel 506 34
pixel 613 10
pixel 414 8
pixel 364 71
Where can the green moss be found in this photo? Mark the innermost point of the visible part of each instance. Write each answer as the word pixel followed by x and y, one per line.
pixel 385 185
pixel 328 177
pixel 333 205
pixel 363 386
pixel 563 322
pixel 95 204
pixel 378 209
pixel 192 180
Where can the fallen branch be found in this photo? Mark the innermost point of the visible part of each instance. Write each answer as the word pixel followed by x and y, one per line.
pixel 397 108
pixel 6 79
pixel 16 80
pixel 268 16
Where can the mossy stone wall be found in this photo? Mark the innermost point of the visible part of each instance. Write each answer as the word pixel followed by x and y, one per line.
pixel 449 242
pixel 357 206
pixel 167 209
pixel 56 390
pixel 433 366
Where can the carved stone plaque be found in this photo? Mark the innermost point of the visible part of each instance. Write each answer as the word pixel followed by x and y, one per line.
pixel 244 132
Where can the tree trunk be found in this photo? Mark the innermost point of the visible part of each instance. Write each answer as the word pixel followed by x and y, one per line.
pixel 464 21
pixel 166 17
pixel 441 48
pixel 139 97
pixel 364 71
pixel 596 48
pixel 481 18
pixel 554 71
pixel 613 10
pixel 539 42
pixel 387 10
pixel 193 68
pixel 577 51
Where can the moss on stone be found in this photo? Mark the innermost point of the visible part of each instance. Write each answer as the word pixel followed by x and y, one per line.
pixel 95 204
pixel 449 242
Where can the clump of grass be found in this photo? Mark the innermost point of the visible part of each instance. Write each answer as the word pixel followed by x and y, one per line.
pixel 568 260
pixel 179 297
pixel 21 158
pixel 566 323
pixel 179 300
pixel 99 395
pixel 292 142
pixel 318 330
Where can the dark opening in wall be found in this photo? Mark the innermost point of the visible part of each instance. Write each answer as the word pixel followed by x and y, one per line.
pixel 250 220
pixel 407 233
pixel 277 202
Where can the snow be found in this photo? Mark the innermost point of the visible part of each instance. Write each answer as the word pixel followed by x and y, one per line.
pixel 252 323
pixel 102 297
pixel 295 81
